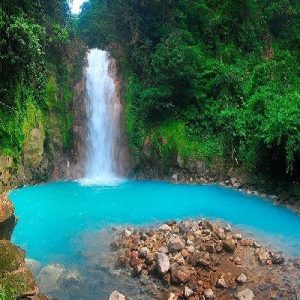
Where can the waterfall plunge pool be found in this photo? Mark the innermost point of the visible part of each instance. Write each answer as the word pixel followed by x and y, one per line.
pixel 53 218
pixel 69 223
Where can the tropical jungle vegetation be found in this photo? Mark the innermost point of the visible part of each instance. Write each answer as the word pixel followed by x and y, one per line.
pixel 214 79
pixel 39 59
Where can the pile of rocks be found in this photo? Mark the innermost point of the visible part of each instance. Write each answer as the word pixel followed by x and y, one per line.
pixel 201 260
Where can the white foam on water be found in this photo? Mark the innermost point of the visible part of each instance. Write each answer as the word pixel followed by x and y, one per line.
pixel 101 181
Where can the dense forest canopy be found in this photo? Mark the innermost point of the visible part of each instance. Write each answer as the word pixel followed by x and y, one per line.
pixel 214 79
pixel 37 63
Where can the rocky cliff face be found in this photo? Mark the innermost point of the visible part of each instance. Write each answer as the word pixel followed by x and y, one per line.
pixel 39 157
pixel 121 155
pixel 77 156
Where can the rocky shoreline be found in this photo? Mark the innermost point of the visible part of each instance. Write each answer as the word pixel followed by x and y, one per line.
pixel 197 259
pixel 16 280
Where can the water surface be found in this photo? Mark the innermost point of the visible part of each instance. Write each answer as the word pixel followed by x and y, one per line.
pixel 56 217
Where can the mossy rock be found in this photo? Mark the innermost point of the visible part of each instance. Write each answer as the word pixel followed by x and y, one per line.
pixel 11 257
pixel 17 284
pixel 6 208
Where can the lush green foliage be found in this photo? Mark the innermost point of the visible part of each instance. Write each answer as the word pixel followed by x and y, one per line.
pixel 226 71
pixel 37 63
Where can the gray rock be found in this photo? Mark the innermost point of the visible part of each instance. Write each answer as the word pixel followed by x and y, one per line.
pixel 188 292
pixel 262 255
pixel 190 249
pixel 255 245
pixel 297 263
pixel 127 233
pixel 277 258
pixel 227 228
pixel 163 263
pixel 221 283
pixel 143 252
pixel 165 227
pixel 209 294
pixel 229 245
pixel 49 276
pixel 70 278
pixel 219 232
pixel 34 266
pixel 116 296
pixel 210 248
pixel 163 249
pixel 190 242
pixel 175 244
pixel 238 236
pixel 184 227
pixel 242 278
pixel 175 177
pixel 246 294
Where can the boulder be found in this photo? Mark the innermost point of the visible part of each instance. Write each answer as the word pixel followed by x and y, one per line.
pixel 219 232
pixel 221 283
pixel 165 227
pixel 7 217
pixel 185 226
pixel 127 233
pixel 229 245
pixel 175 177
pixel 163 249
pixel 262 255
pixel 11 257
pixel 199 259
pixel 277 258
pixel 49 276
pixel 210 248
pixel 163 263
pixel 33 265
pixel 70 278
pixel 242 278
pixel 238 236
pixel 116 296
pixel 188 292
pixel 143 252
pixel 184 253
pixel 175 244
pixel 209 294
pixel 246 294
pixel 181 275
pixel 15 276
pixel 228 228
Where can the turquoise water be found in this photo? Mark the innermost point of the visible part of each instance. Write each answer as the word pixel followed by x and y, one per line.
pixel 55 217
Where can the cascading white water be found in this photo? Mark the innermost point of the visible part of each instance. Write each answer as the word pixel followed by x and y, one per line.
pixel 103 113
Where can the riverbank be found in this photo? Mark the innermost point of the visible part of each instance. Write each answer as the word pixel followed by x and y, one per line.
pixel 16 280
pixel 203 260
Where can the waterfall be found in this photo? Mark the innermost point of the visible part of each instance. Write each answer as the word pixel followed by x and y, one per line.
pixel 103 118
